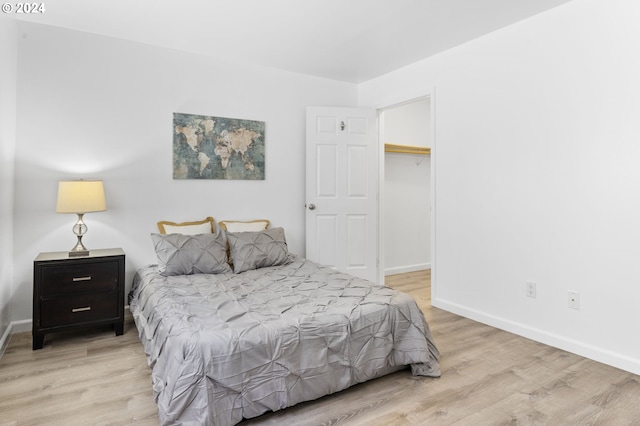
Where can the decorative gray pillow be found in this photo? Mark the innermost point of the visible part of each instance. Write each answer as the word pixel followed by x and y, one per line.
pixel 253 250
pixel 180 254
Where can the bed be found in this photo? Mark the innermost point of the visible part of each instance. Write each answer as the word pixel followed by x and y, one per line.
pixel 233 326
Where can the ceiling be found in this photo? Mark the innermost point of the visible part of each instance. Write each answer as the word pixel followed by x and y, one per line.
pixel 348 40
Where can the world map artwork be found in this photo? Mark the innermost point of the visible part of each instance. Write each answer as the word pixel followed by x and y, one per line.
pixel 217 148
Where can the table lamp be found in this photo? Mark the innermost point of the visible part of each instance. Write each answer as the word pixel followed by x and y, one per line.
pixel 80 197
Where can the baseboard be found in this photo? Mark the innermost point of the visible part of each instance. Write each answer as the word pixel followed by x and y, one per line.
pixel 408 268
pixel 604 356
pixel 4 341
pixel 14 327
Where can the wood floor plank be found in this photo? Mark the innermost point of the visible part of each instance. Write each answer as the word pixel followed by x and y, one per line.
pixel 489 377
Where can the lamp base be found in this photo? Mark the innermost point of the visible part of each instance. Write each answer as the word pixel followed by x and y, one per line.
pixel 79 249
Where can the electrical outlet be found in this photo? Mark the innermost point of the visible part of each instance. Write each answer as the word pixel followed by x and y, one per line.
pixel 574 300
pixel 531 289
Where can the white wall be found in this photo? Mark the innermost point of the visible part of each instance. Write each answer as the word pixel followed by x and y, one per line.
pixel 536 160
pixel 407 194
pixel 97 107
pixel 409 123
pixel 8 70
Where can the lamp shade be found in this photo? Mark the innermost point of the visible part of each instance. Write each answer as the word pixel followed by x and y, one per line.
pixel 80 196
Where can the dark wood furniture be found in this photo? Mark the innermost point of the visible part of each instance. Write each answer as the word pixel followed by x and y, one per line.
pixel 71 292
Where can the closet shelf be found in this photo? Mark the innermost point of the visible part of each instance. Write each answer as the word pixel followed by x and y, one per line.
pixel 406 149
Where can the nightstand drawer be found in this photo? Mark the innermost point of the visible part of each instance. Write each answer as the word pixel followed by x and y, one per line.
pixel 86 277
pixel 78 309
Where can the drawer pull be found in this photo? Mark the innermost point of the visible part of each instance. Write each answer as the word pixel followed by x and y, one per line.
pixel 78 279
pixel 86 308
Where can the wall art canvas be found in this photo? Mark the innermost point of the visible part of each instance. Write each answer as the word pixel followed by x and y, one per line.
pixel 217 148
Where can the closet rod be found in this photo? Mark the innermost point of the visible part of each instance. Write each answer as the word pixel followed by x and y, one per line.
pixel 406 149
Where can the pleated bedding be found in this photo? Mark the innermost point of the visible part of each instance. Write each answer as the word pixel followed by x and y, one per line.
pixel 230 346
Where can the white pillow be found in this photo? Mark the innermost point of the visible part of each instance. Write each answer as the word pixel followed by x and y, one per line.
pixel 205 226
pixel 240 226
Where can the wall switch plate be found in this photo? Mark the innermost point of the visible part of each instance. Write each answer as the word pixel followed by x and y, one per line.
pixel 574 300
pixel 531 289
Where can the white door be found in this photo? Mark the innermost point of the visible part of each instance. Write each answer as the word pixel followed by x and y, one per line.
pixel 342 189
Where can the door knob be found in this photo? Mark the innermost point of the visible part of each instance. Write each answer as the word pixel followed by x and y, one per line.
pixel 312 206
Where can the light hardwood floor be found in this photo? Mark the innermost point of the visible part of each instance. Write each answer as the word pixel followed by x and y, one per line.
pixel 489 377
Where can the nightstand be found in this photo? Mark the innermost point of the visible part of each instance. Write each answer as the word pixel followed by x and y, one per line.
pixel 73 292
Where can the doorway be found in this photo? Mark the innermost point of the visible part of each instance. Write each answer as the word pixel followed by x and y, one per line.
pixel 406 130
